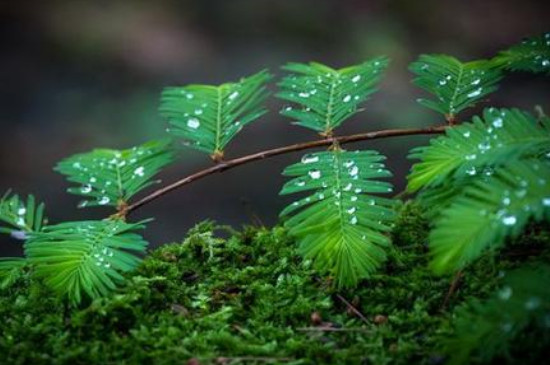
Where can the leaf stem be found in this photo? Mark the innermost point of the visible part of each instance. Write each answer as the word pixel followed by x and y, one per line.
pixel 229 164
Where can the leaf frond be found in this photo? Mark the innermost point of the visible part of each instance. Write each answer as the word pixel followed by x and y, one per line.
pixel 326 97
pixel 341 225
pixel 485 329
pixel 473 149
pixel 85 257
pixel 531 55
pixel 208 117
pixel 111 177
pixel 455 85
pixel 489 211
pixel 18 217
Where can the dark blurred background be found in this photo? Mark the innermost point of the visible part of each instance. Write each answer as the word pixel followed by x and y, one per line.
pixel 76 75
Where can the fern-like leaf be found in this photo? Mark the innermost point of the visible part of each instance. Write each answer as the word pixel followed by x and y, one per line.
pixel 531 55
pixel 468 149
pixel 340 225
pixel 10 270
pixel 455 85
pixel 208 117
pixel 112 177
pixel 87 257
pixel 327 97
pixel 18 217
pixel 485 329
pixel 489 211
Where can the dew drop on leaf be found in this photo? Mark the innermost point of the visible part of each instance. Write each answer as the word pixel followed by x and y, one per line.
pixel 509 220
pixel 193 123
pixel 310 159
pixel 475 93
pixel 314 174
pixel 505 293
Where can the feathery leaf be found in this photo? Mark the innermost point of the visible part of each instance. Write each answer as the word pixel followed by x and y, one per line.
pixel 86 257
pixel 455 85
pixel 489 211
pixel 328 97
pixel 208 117
pixel 531 55
pixel 20 218
pixel 473 148
pixel 341 225
pixel 112 177
pixel 10 270
pixel 485 329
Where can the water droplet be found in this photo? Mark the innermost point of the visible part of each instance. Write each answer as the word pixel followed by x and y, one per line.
pixel 546 202
pixel 303 95
pixel 476 81
pixel 471 171
pixel 354 171
pixel 475 93
pixel 350 163
pixel 139 171
pixel 314 174
pixel 509 220
pixel 233 95
pixel 351 210
pixel 505 293
pixel 189 96
pixel 353 198
pixel 198 111
pixel 506 201
pixel 356 78
pixel 498 122
pixel 484 146
pixel 353 220
pixel 193 123
pixel 86 189
pixel 21 211
pixel 300 183
pixel 20 221
pixel 346 98
pixel 466 134
pixel 545 63
pixel 348 187
pixel 532 303
pixel 310 159
pixel 470 157
pixel 104 200
pixel 442 82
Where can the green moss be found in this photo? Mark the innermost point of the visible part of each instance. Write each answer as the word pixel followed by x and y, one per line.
pixel 250 299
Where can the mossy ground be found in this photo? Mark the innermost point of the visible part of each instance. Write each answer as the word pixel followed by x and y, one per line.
pixel 250 299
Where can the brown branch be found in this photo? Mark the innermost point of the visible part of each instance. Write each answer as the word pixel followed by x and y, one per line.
pixel 353 309
pixel 229 164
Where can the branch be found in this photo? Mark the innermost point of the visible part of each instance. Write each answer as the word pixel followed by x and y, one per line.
pixel 229 164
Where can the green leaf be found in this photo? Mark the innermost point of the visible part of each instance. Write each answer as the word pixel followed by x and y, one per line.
pixel 87 257
pixel 531 55
pixel 455 85
pixel 112 177
pixel 489 211
pixel 486 329
pixel 208 117
pixel 341 225
pixel 474 148
pixel 10 270
pixel 327 97
pixel 20 217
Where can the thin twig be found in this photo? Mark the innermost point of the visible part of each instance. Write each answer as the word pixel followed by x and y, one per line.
pixel 452 289
pixel 229 164
pixel 353 309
